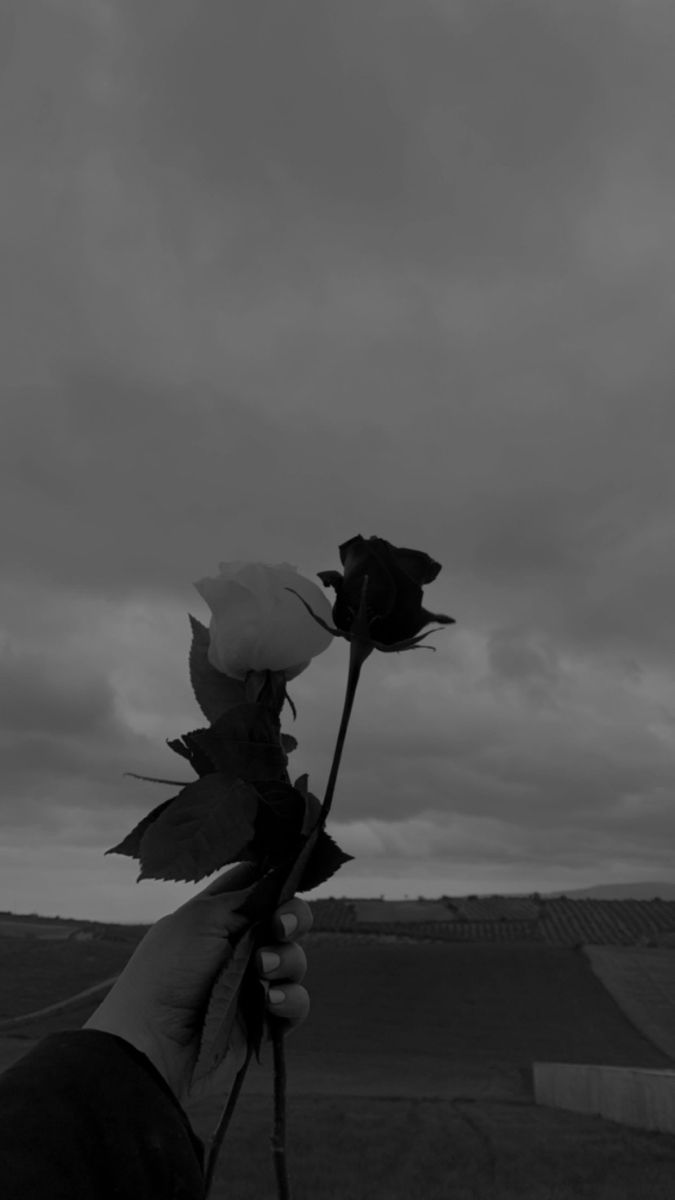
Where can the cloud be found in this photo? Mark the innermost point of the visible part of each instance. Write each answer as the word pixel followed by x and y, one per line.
pixel 395 125
pixel 42 694
pixel 273 278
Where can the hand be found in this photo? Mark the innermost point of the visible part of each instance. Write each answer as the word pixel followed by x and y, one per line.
pixel 158 1002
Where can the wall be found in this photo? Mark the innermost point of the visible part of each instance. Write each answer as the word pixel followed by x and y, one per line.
pixel 633 1096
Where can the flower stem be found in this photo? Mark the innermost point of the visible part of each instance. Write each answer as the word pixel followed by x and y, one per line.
pixel 358 653
pixel 221 1128
pixel 278 1138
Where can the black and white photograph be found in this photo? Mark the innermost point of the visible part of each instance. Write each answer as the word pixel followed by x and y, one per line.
pixel 337 599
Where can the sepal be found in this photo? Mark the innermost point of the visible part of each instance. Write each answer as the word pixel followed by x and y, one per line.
pixel 214 691
pixel 406 644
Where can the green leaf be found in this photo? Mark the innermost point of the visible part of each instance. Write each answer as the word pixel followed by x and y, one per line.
pixel 236 1012
pixel 268 688
pixel 242 744
pixel 325 861
pixel 280 815
pixel 154 779
pixel 178 748
pixel 312 813
pixel 253 685
pixel 252 1003
pixel 300 784
pixel 131 845
pixel 188 748
pixel 214 691
pixel 312 805
pixel 225 1029
pixel 209 824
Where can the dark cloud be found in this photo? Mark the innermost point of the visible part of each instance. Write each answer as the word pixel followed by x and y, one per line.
pixel 56 696
pixel 467 136
pixel 274 275
pixel 59 726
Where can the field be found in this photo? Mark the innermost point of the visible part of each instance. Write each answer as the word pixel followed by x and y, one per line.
pixel 351 1148
pixel 412 1074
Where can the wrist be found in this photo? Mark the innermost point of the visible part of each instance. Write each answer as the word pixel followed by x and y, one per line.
pixel 129 1031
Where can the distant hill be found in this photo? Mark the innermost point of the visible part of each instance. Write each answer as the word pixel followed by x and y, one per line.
pixel 646 890
pixel 501 905
pixel 564 920
pixel 557 921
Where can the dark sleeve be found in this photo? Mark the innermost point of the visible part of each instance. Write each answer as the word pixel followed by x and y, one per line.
pixel 86 1116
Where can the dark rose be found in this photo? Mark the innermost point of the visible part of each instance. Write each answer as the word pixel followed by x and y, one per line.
pixel 393 593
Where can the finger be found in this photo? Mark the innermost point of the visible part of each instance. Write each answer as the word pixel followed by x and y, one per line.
pixel 292 964
pixel 295 907
pixel 295 1005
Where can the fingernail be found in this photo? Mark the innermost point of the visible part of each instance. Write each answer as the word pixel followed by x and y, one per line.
pixel 276 996
pixel 290 923
pixel 269 961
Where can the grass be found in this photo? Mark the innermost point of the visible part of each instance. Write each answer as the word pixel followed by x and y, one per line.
pixel 404 1026
pixel 391 1003
pixel 353 1148
pixel 35 973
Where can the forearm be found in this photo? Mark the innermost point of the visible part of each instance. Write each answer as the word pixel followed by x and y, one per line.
pixel 110 1017
pixel 84 1114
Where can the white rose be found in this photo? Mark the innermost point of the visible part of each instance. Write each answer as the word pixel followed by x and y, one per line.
pixel 257 626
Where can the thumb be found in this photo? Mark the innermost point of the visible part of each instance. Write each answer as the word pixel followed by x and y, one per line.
pixel 221 897
pixel 240 877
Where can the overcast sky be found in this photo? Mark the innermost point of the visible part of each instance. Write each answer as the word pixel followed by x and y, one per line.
pixel 277 274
